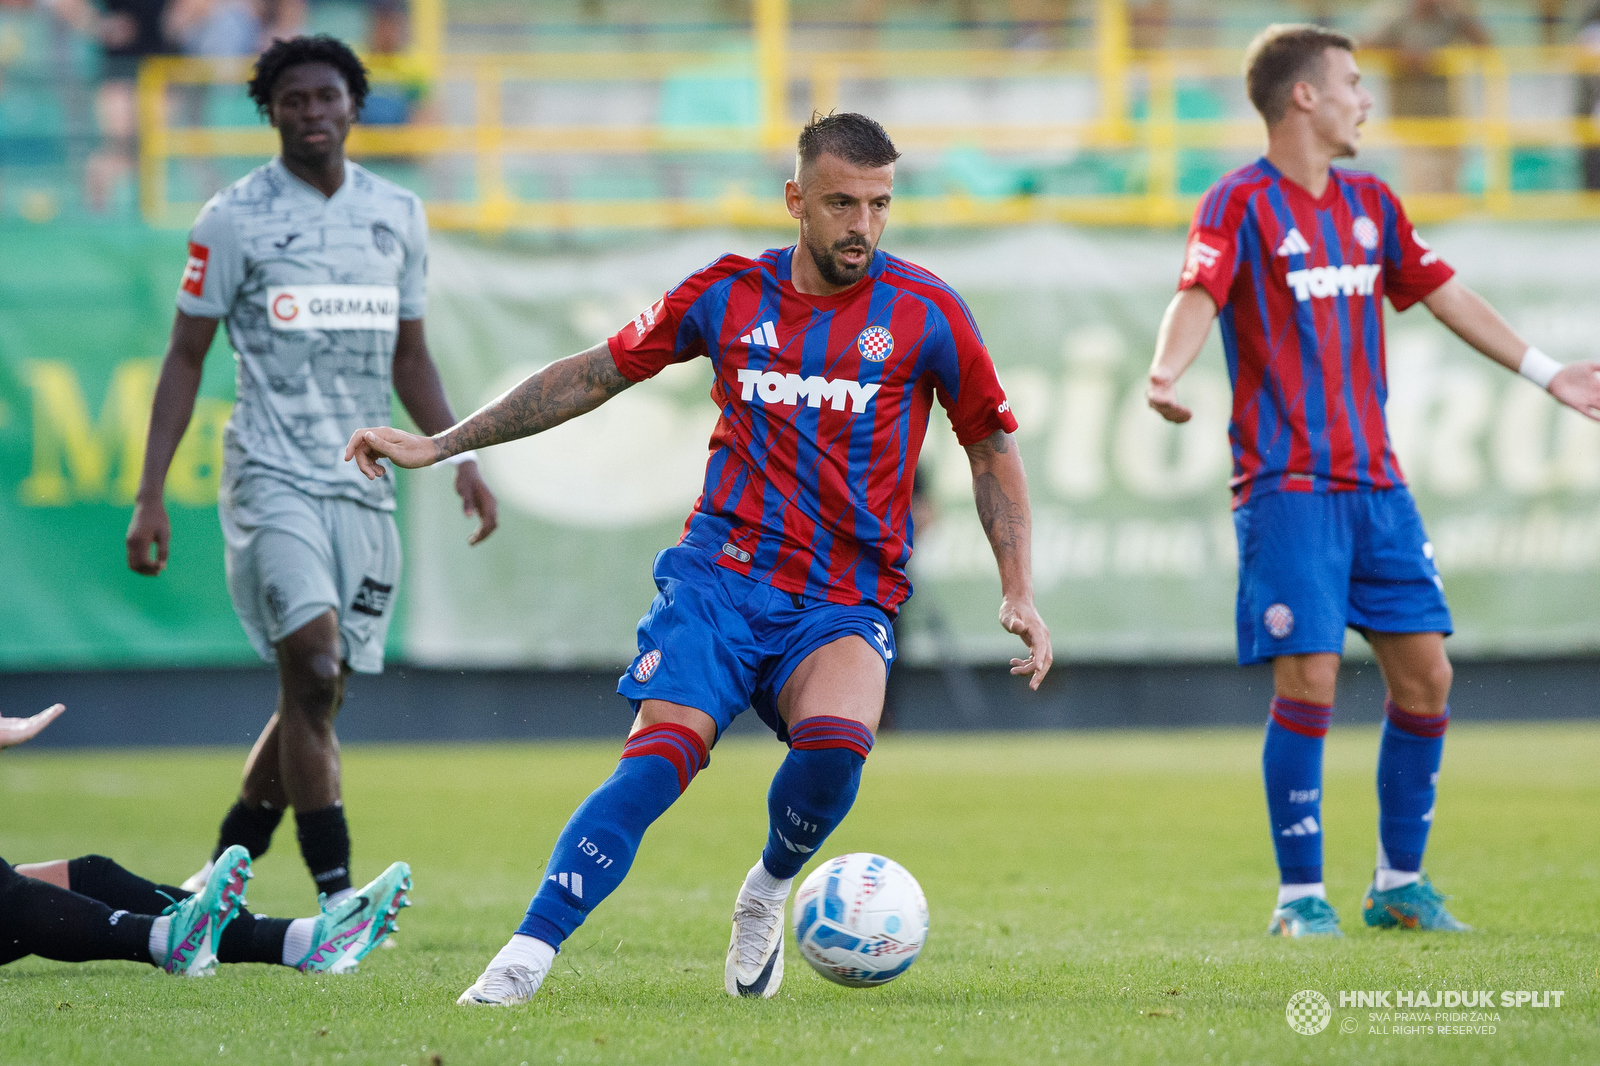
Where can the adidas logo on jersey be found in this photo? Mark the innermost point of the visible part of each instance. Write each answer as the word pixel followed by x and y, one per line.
pixel 1347 280
pixel 1305 827
pixel 1294 244
pixel 764 335
pixel 790 389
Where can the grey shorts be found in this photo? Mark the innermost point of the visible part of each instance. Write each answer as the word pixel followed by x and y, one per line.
pixel 291 556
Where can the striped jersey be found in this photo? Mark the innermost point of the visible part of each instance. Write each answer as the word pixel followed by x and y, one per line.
pixel 824 404
pixel 1300 283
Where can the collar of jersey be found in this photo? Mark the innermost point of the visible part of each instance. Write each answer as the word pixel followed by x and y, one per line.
pixel 838 299
pixel 1328 197
pixel 297 183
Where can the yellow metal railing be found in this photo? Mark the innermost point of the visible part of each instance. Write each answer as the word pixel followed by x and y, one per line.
pixel 1121 75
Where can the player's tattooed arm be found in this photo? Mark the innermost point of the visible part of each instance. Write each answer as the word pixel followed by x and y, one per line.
pixel 1000 488
pixel 561 391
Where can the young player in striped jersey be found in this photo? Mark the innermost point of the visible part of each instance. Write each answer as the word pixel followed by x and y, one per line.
pixel 781 593
pixel 1298 256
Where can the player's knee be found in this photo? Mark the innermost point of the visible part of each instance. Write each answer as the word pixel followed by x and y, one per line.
pixel 313 684
pixel 833 749
pixel 1426 690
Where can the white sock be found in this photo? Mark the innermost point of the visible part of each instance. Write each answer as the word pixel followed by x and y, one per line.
pixel 527 951
pixel 762 884
pixel 1385 880
pixel 1290 893
pixel 297 941
pixel 335 898
pixel 160 929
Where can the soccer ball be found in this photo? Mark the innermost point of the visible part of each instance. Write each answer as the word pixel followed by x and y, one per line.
pixel 860 920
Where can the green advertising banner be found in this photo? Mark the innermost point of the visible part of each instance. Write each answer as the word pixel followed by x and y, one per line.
pixel 84 316
pixel 1133 542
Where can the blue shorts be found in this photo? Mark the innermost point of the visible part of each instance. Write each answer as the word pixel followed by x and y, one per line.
pixel 721 642
pixel 1312 563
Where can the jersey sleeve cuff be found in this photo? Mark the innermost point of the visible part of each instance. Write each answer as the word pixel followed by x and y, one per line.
pixel 619 357
pixel 1404 300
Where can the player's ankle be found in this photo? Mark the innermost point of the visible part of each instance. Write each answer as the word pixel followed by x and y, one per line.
pixel 1389 880
pixel 1290 893
pixel 764 885
pixel 526 951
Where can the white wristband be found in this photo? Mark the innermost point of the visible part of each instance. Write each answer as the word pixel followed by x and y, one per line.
pixel 1538 367
pixel 459 458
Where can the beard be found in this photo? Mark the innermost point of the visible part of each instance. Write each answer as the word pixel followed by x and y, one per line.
pixel 833 271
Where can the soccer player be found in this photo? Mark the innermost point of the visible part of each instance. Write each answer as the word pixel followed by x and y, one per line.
pixel 1298 256
pixel 319 268
pixel 781 593
pixel 91 908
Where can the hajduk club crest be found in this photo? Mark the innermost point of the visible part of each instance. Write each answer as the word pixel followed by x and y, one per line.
pixel 1365 231
pixel 875 344
pixel 645 668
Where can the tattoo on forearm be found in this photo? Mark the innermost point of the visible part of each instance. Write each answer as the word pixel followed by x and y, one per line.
pixel 1004 521
pixel 563 390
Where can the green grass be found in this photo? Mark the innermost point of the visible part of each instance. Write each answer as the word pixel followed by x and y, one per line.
pixel 1094 897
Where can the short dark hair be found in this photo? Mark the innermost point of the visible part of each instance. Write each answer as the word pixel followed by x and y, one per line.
pixel 1283 55
pixel 854 138
pixel 297 51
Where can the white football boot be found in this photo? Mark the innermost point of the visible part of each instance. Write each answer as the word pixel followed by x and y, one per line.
pixel 755 951
pixel 198 879
pixel 503 986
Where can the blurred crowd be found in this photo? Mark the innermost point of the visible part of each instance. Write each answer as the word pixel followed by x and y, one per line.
pixel 68 72
pixel 68 68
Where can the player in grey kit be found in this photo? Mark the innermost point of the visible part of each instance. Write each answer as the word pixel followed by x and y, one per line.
pixel 319 269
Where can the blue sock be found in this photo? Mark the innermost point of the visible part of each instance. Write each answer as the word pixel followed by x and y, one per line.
pixel 1408 773
pixel 1291 762
pixel 813 790
pixel 594 851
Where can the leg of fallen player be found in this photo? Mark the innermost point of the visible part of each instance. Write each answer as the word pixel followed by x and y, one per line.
pixel 668 745
pixel 334 941
pixel 831 705
pixel 1416 714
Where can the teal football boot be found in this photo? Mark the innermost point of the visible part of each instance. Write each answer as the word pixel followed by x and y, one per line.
pixel 347 932
pixel 1306 916
pixel 197 921
pixel 1414 906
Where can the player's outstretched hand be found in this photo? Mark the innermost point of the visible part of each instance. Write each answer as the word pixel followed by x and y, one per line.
pixel 149 526
pixel 1163 396
pixel 403 449
pixel 1578 386
pixel 1023 620
pixel 477 499
pixel 16 730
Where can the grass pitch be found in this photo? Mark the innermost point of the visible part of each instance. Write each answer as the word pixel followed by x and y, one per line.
pixel 1094 897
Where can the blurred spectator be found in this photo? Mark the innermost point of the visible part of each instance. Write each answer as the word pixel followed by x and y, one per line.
pixel 1416 91
pixel 398 80
pixel 1589 92
pixel 128 31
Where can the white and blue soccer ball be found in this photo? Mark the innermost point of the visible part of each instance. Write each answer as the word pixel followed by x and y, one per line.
pixel 860 919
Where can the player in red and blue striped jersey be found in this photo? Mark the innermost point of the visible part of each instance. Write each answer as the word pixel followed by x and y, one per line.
pixel 1297 256
pixel 781 594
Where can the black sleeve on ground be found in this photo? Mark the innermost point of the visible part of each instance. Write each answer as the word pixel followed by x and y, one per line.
pixel 37 918
pixel 104 879
pixel 251 939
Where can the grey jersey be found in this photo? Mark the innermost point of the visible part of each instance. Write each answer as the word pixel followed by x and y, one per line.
pixel 312 289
